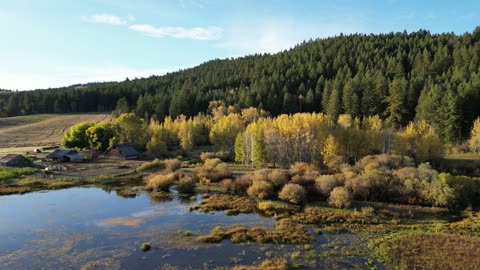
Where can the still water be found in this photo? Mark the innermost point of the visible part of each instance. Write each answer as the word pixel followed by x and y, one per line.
pixel 89 228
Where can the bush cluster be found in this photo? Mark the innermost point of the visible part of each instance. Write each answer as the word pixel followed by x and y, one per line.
pixel 214 170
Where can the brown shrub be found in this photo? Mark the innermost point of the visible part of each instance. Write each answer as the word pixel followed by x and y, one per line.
pixel 340 198
pixel 242 183
pixel 227 184
pixel 301 168
pixel 213 169
pixel 326 183
pixel 261 190
pixel 172 164
pixel 186 185
pixel 278 178
pixel 161 182
pixel 265 206
pixel 152 165
pixel 222 155
pixel 293 193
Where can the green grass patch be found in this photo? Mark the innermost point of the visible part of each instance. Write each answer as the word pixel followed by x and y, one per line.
pixel 10 173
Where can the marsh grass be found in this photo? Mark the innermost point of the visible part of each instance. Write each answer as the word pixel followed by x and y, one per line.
pixel 428 251
pixel 286 232
pixel 153 165
pixel 231 204
pixel 268 264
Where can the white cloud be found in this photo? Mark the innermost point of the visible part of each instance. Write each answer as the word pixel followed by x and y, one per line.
pixel 196 33
pixel 108 19
pixel 267 37
pixel 60 75
pixel 273 35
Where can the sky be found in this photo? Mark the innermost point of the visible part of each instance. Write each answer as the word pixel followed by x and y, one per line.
pixel 53 43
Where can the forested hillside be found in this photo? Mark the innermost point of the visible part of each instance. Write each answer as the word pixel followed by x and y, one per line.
pixel 399 76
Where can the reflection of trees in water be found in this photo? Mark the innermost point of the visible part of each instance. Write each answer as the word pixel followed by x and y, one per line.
pixel 160 197
pixel 126 193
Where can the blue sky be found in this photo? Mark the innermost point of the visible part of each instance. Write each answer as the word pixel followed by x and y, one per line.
pixel 57 43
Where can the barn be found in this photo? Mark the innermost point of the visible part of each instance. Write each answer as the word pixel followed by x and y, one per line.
pixel 13 160
pixel 122 151
pixel 65 155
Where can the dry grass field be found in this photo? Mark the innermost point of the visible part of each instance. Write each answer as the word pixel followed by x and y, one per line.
pixel 24 132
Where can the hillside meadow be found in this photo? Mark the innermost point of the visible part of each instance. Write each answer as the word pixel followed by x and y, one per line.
pixel 19 134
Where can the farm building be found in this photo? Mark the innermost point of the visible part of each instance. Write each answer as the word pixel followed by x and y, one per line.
pixel 13 160
pixel 92 153
pixel 65 155
pixel 123 151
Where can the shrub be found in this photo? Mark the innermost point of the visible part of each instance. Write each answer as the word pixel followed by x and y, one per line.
pixel 172 164
pixel 222 155
pixel 207 155
pixel 326 183
pixel 147 166
pixel 261 190
pixel 242 183
pixel 145 247
pixel 186 185
pixel 227 184
pixel 266 206
pixel 303 180
pixel 293 193
pixel 367 211
pixel 162 182
pixel 340 198
pixel 278 178
pixel 213 169
pixel 377 185
pixel 301 168
pixel 369 163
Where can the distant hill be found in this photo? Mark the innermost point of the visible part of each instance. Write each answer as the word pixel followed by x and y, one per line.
pixel 399 76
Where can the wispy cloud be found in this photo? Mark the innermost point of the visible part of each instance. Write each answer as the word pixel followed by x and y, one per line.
pixel 108 19
pixel 196 33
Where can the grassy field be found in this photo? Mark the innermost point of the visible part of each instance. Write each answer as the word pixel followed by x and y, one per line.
pixel 17 134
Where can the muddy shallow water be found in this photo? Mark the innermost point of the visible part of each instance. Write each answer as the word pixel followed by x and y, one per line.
pixel 90 228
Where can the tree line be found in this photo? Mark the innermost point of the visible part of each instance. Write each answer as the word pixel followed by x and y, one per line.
pixel 401 77
pixel 255 138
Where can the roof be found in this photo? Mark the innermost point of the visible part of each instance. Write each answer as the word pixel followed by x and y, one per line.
pixel 127 150
pixel 61 153
pixel 74 156
pixel 10 157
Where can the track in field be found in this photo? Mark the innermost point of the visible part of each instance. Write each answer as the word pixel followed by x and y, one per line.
pixel 42 129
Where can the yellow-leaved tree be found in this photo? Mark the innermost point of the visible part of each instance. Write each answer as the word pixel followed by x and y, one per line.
pixel 474 142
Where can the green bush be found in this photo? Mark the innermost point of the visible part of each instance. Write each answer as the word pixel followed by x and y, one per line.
pixel 466 189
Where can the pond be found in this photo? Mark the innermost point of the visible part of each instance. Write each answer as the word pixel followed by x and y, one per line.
pixel 89 228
